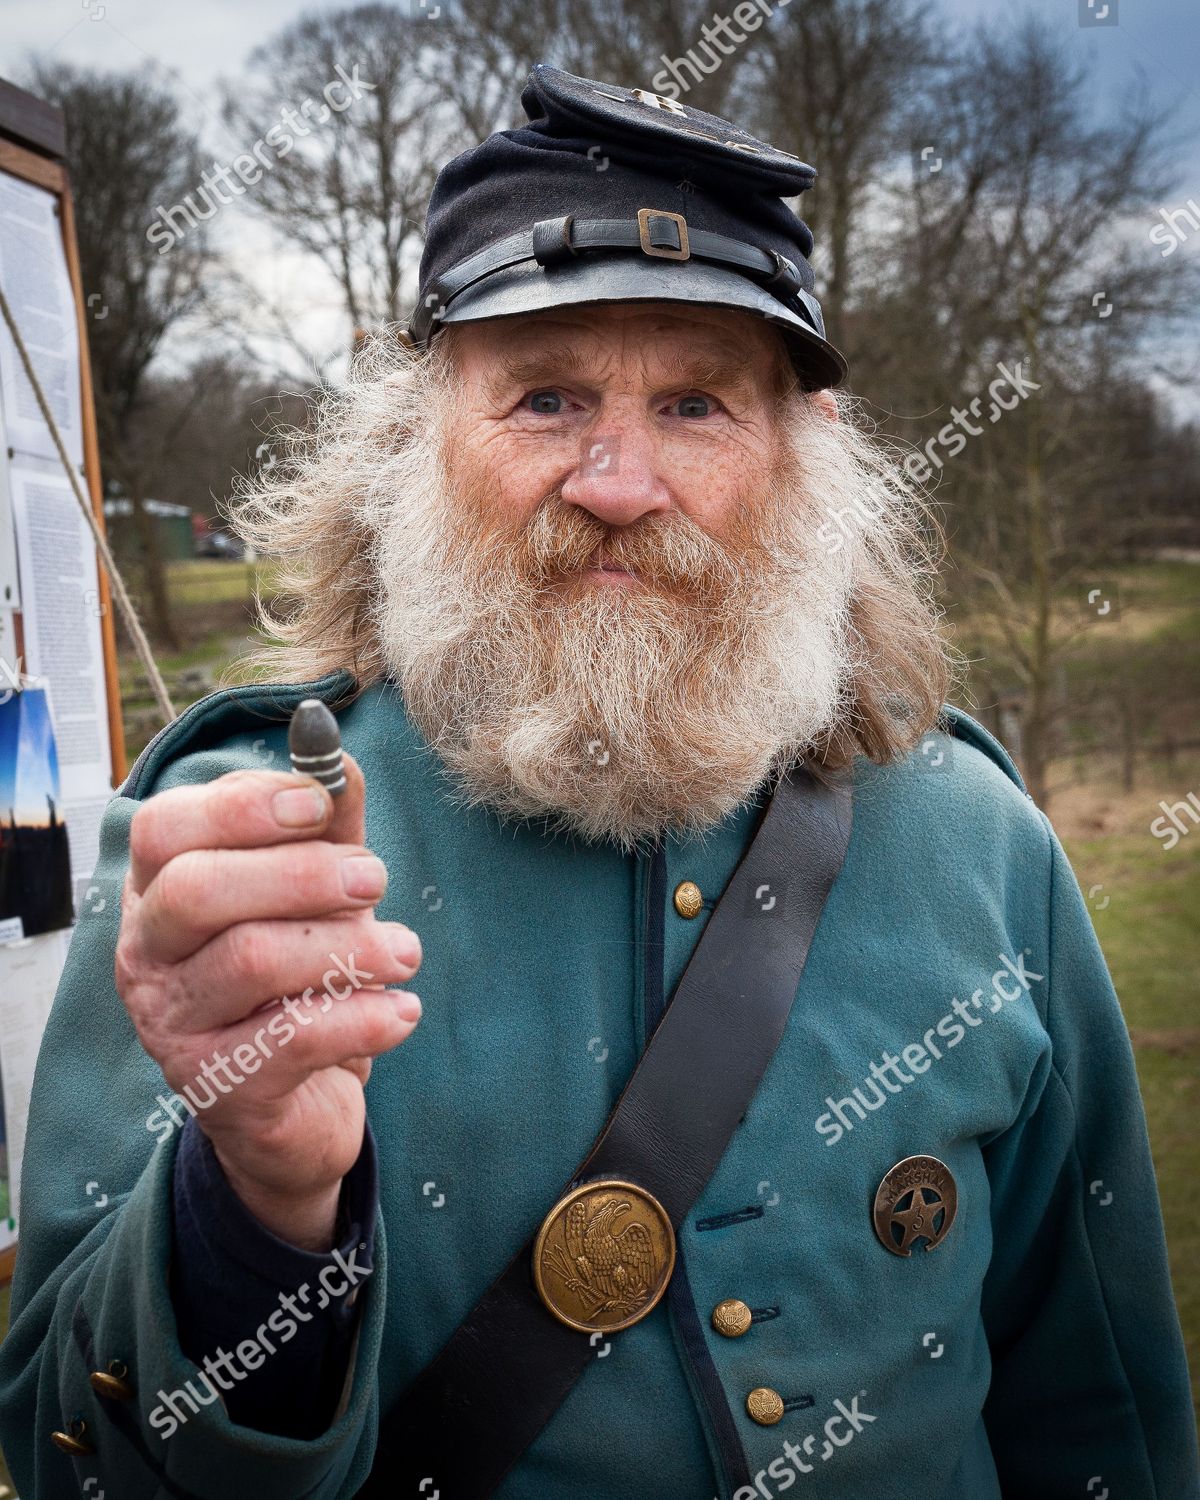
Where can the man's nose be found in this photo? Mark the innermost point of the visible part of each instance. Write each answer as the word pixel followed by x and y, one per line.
pixel 617 475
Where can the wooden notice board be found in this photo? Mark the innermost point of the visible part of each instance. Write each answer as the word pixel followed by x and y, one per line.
pixel 75 658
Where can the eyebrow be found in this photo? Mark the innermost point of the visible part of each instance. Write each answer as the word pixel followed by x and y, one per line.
pixel 716 362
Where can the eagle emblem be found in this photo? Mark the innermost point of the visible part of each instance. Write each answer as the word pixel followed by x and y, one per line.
pixel 604 1256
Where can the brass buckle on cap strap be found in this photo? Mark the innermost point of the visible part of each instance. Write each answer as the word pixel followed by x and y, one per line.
pixel 604 1255
pixel 645 215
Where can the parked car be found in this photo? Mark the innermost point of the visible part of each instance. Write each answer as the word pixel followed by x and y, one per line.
pixel 219 544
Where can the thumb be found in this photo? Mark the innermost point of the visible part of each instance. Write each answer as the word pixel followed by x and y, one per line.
pixel 348 824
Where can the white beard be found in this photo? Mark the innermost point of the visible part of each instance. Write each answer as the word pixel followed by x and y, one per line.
pixel 617 712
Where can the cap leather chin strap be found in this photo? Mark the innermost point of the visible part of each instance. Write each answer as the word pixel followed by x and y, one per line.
pixel 475 1408
pixel 656 232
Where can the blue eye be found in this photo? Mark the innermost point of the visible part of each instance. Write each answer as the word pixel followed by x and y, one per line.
pixel 694 406
pixel 548 403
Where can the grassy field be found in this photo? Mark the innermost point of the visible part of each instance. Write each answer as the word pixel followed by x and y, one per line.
pixel 1140 664
pixel 1144 898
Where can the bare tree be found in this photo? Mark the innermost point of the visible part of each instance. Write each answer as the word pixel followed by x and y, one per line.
pixel 200 426
pixel 483 53
pixel 652 46
pixel 488 46
pixel 830 82
pixel 1018 254
pixel 351 187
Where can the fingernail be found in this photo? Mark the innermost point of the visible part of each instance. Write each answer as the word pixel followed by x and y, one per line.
pixel 298 807
pixel 363 877
pixel 408 1005
pixel 406 949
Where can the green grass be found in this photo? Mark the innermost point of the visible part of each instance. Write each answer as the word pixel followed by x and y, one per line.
pixel 208 581
pixel 1151 938
pixel 1144 656
pixel 1149 929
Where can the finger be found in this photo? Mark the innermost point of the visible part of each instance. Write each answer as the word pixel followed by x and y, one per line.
pixel 348 824
pixel 253 963
pixel 268 1055
pixel 242 810
pixel 203 891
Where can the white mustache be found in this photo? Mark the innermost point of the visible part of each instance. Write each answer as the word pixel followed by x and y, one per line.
pixel 512 685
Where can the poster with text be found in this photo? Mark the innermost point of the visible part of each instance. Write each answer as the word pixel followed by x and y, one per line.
pixel 33 272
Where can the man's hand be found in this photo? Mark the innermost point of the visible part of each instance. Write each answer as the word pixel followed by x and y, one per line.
pixel 248 902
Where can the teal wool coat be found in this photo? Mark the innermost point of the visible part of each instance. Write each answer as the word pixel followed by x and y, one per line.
pixel 1035 1352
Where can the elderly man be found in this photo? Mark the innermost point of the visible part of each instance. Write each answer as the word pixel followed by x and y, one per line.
pixel 767 1116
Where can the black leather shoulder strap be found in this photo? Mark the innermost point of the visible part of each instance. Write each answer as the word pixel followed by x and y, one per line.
pixel 475 1408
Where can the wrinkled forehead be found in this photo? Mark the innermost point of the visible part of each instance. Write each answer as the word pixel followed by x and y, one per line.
pixel 652 341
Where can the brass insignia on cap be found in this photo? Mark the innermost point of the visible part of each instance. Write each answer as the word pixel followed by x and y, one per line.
pixel 917 1199
pixel 604 1255
pixel 672 106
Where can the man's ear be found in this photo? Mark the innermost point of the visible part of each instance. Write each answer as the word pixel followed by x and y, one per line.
pixel 826 403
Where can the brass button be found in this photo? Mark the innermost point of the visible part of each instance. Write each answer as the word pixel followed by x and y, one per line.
pixel 688 899
pixel 112 1382
pixel 73 1440
pixel 731 1318
pixel 765 1405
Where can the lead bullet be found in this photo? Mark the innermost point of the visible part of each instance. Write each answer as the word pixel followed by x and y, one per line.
pixel 315 746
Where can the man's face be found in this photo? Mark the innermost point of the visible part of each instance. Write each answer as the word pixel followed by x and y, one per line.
pixel 629 410
pixel 607 604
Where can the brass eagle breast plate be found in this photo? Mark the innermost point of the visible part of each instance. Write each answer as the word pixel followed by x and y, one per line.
pixel 604 1255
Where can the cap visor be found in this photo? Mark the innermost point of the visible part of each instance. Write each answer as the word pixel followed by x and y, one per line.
pixel 635 277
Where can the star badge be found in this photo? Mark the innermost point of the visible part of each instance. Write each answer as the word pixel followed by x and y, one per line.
pixel 917 1200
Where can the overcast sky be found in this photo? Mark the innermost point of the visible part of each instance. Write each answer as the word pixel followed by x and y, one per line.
pixel 200 41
